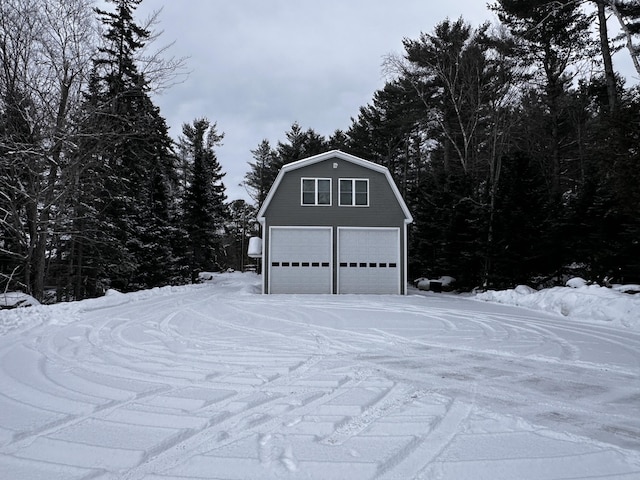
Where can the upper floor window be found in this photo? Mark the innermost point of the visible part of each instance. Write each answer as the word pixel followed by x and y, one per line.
pixel 316 191
pixel 354 192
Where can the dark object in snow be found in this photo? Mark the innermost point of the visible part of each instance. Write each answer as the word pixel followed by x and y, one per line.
pixel 631 289
pixel 437 285
pixel 205 277
pixel 10 300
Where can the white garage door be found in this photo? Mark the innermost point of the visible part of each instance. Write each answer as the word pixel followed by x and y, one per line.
pixel 300 260
pixel 369 260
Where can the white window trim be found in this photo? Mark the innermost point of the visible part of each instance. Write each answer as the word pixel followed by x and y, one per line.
pixel 316 204
pixel 353 192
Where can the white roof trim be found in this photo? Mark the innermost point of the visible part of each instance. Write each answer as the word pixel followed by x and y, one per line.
pixel 341 156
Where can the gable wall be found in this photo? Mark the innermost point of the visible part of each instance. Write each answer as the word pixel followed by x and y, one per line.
pixel 285 207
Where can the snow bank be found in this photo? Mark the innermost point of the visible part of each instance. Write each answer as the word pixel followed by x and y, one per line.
pixel 577 301
pixel 590 303
pixel 67 312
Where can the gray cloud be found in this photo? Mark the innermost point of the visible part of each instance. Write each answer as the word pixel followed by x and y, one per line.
pixel 259 65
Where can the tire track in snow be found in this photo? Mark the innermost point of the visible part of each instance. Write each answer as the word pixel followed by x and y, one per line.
pixel 517 379
pixel 398 396
pixel 262 405
pixel 247 420
pixel 424 449
pixel 25 439
pixel 259 420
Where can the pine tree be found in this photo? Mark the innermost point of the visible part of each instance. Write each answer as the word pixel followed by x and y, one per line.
pixel 126 145
pixel 553 35
pixel 268 161
pixel 262 172
pixel 300 144
pixel 205 212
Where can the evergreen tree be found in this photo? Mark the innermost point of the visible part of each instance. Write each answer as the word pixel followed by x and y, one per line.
pixel 338 141
pixel 299 145
pixel 205 212
pixel 554 36
pixel 268 161
pixel 262 172
pixel 126 144
pixel 390 132
pixel 240 227
pixel 459 107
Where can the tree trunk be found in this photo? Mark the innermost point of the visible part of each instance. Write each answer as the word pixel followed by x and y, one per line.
pixel 633 51
pixel 606 58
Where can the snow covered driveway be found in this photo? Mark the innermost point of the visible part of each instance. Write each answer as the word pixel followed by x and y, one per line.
pixel 215 381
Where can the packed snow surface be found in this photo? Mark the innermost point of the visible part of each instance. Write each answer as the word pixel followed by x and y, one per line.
pixel 216 381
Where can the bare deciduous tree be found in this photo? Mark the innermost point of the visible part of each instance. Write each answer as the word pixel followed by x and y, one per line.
pixel 45 50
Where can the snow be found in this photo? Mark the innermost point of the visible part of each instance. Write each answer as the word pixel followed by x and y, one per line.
pixel 16 300
pixel 215 381
pixel 578 300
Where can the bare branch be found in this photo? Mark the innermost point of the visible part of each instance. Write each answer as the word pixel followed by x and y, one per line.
pixel 161 72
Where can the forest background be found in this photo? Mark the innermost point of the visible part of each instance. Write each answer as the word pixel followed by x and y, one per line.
pixel 516 146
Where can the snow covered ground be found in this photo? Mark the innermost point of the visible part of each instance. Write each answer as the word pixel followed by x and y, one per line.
pixel 216 381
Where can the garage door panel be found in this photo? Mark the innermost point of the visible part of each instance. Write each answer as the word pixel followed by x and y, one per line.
pixel 369 280
pixel 369 260
pixel 301 245
pixel 300 260
pixel 300 279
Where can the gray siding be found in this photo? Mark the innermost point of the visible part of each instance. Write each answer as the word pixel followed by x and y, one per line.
pixel 285 207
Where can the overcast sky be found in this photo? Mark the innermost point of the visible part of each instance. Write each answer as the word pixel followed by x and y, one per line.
pixel 257 66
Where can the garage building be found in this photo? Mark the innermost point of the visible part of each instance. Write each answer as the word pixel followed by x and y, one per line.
pixel 334 223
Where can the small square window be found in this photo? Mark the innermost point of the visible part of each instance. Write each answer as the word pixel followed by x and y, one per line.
pixel 354 192
pixel 316 191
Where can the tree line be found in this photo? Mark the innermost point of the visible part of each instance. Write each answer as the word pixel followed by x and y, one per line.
pixel 94 194
pixel 515 146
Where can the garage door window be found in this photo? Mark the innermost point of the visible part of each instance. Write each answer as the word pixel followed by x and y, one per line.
pixel 316 191
pixel 354 192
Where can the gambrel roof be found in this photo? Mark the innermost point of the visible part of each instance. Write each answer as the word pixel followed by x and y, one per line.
pixel 339 155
